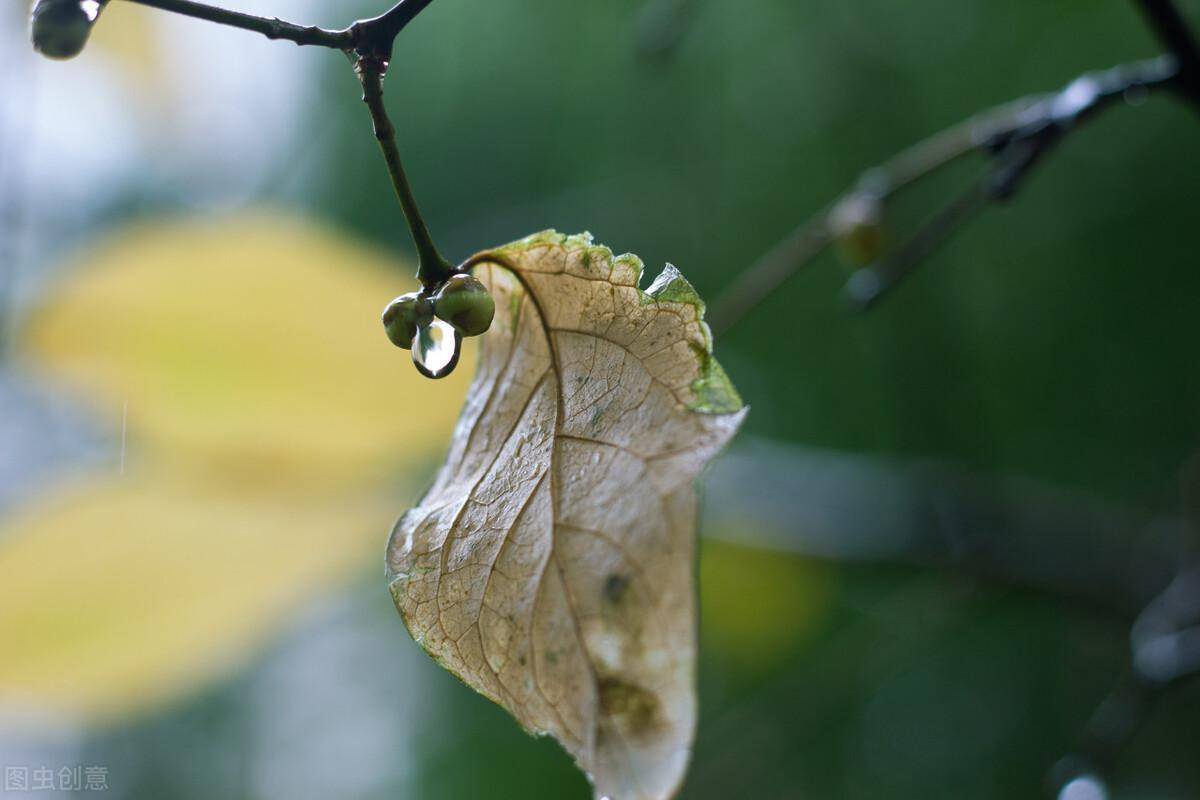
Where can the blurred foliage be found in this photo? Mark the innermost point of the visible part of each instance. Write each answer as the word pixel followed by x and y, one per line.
pixel 758 607
pixel 158 583
pixel 249 347
pixel 266 434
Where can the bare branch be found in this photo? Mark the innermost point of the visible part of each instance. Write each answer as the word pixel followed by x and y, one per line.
pixel 867 286
pixel 1173 32
pixel 369 42
pixel 432 268
pixel 390 23
pixel 1015 136
pixel 373 36
pixel 271 28
pixel 755 284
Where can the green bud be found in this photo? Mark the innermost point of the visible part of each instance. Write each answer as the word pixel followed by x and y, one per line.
pixel 857 226
pixel 404 315
pixel 466 304
pixel 60 28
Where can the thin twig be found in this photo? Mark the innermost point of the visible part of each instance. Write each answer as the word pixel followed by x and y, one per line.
pixel 1015 136
pixel 374 35
pixel 1164 655
pixel 944 148
pixel 271 28
pixel 810 238
pixel 869 285
pixel 432 268
pixel 755 284
pixel 369 44
pixel 1172 30
pixel 390 23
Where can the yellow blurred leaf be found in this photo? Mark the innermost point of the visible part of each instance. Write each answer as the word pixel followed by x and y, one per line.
pixel 128 33
pixel 251 345
pixel 267 413
pixel 757 606
pixel 118 594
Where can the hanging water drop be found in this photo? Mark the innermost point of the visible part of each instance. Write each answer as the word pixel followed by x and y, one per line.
pixel 435 349
pixel 1084 787
pixel 60 28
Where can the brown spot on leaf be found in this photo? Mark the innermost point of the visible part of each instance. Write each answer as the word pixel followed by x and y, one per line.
pixel 615 587
pixel 635 708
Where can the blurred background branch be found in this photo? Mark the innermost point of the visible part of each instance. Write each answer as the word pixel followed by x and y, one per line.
pixel 859 510
pixel 1014 136
pixel 1082 551
pixel 1169 25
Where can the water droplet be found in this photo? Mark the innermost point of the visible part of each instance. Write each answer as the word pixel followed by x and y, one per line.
pixel 1085 787
pixel 435 349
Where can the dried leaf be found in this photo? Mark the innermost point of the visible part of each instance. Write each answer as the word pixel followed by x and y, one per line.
pixel 551 566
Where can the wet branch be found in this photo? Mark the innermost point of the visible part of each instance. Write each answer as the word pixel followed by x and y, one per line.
pixel 432 268
pixel 271 28
pixel 368 43
pixel 375 34
pixel 1168 24
pixel 1164 655
pixel 1014 137
pixel 389 24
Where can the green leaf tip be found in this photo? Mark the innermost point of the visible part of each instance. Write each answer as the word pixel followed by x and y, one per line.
pixel 670 285
pixel 714 391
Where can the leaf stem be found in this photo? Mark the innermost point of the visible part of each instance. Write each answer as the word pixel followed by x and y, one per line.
pixel 432 268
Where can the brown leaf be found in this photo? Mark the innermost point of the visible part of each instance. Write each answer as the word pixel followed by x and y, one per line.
pixel 551 566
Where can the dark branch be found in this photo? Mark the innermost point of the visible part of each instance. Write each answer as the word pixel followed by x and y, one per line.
pixel 369 36
pixel 369 43
pixel 867 286
pixel 432 268
pixel 1165 654
pixel 390 23
pixel 1172 30
pixel 755 284
pixel 1014 136
pixel 271 28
